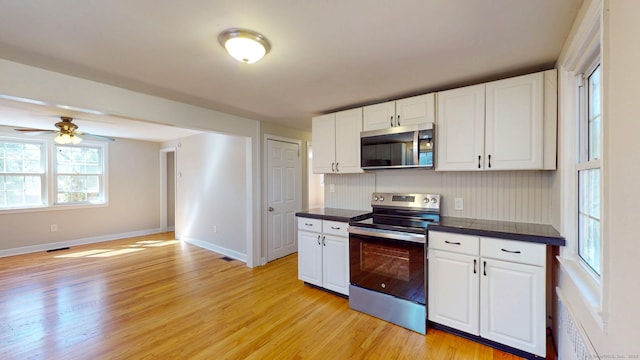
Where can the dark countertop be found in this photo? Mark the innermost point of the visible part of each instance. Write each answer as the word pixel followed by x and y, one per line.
pixel 343 215
pixel 537 233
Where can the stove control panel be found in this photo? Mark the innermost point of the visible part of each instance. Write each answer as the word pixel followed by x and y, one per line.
pixel 423 201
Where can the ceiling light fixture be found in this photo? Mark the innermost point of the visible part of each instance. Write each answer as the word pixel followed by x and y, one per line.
pixel 244 45
pixel 63 138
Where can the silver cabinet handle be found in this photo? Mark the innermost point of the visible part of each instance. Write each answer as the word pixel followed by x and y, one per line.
pixel 332 169
pixel 318 239
pixel 323 243
pixel 308 224
pixel 270 208
pixel 398 122
pixel 335 228
pixel 391 121
pixel 337 167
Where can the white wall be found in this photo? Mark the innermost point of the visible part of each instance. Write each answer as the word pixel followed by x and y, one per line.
pixel 171 190
pixel 212 193
pixel 521 196
pixel 133 207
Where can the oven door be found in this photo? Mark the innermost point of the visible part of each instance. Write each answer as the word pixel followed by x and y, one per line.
pixel 389 262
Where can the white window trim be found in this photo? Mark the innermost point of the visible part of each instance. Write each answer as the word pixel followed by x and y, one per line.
pixel 581 54
pixel 49 184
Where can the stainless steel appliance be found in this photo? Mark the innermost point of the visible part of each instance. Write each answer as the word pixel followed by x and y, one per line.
pixel 397 147
pixel 387 258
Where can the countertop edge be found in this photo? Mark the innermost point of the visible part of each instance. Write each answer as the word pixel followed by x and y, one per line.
pixel 334 217
pixel 547 240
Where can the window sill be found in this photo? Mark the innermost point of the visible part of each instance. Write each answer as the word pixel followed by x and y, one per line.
pixel 53 208
pixel 589 289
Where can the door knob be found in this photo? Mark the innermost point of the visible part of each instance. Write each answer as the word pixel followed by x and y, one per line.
pixel 270 208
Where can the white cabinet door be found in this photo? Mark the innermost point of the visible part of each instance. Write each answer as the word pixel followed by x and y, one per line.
pixel 335 264
pixel 454 290
pixel 512 305
pixel 324 149
pixel 416 110
pixel 380 116
pixel 514 123
pixel 348 125
pixel 310 257
pixel 460 129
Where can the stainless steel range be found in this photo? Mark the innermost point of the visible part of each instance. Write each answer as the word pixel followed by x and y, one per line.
pixel 387 258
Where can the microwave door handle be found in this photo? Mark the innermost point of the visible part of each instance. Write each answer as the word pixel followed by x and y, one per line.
pixel 416 138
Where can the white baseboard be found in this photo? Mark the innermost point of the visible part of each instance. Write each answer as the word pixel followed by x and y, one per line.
pixel 215 248
pixel 76 242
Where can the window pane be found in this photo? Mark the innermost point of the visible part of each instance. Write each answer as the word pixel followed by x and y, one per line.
pixel 594 115
pixel 78 188
pixel 589 217
pixel 18 157
pixel 20 191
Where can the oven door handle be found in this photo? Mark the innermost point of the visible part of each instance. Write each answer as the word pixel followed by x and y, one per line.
pixel 386 234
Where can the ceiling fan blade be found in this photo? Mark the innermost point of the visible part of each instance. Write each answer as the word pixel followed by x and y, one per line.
pixel 99 137
pixel 36 131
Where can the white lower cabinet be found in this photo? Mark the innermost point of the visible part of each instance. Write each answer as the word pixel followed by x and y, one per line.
pixel 323 254
pixel 488 287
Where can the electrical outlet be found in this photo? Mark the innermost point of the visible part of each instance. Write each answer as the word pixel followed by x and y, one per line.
pixel 459 204
pixel 54 227
pixel 332 187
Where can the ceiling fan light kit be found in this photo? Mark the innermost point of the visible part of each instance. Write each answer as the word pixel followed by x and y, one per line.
pixel 67 139
pixel 246 46
pixel 67 132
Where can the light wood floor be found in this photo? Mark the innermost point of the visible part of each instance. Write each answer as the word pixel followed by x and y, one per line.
pixel 153 298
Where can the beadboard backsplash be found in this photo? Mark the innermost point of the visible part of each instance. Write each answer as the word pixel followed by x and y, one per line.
pixel 521 196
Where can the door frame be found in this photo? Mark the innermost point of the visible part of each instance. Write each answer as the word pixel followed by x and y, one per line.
pixel 164 183
pixel 266 192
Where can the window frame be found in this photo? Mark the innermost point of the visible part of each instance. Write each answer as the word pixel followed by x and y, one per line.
pixel 583 160
pixel 43 174
pixel 102 176
pixel 49 191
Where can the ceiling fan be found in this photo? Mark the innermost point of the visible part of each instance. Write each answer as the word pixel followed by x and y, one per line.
pixel 67 132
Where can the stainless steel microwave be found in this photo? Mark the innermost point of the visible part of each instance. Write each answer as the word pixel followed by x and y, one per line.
pixel 398 147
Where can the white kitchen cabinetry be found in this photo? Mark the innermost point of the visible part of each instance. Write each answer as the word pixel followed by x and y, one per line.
pixel 336 142
pixel 323 254
pixel 507 124
pixel 489 287
pixel 409 111
pixel 453 281
pixel 512 294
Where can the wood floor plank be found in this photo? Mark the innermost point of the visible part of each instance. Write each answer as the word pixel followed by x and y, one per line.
pixel 153 298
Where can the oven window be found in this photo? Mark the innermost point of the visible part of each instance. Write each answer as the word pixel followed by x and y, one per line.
pixel 386 261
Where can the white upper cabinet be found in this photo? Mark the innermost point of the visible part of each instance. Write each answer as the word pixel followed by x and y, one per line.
pixel 514 123
pixel 507 124
pixel 336 142
pixel 410 111
pixel 460 129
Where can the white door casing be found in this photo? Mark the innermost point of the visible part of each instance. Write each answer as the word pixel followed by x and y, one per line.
pixel 283 197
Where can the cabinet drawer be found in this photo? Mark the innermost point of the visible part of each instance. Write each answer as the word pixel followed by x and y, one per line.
pixel 335 228
pixel 306 224
pixel 514 251
pixel 462 244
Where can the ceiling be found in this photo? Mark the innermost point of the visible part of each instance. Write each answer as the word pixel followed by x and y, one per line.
pixel 326 55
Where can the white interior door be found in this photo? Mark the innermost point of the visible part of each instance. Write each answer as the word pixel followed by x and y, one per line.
pixel 283 191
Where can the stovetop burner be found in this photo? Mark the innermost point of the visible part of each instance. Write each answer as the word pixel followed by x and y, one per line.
pixel 402 212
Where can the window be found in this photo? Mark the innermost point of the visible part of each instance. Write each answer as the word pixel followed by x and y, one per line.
pixel 22 174
pixel 41 174
pixel 79 174
pixel 589 173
